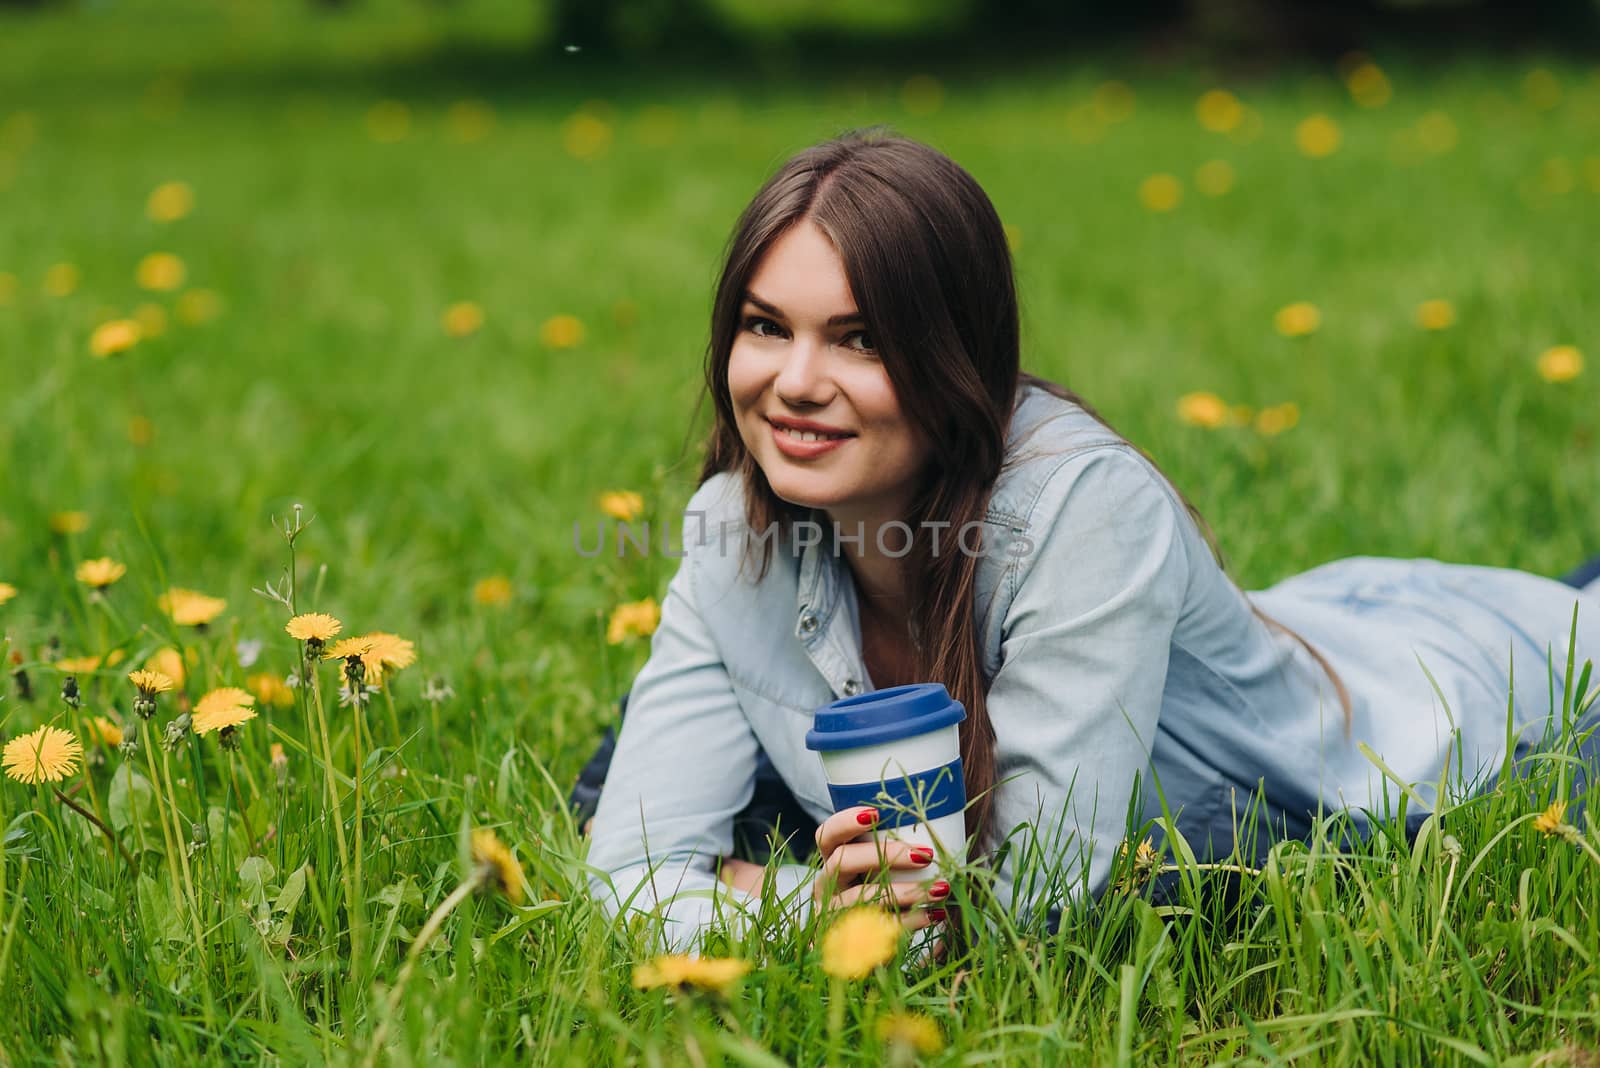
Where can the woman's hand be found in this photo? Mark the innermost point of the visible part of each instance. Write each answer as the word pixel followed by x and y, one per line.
pixel 849 865
pixel 742 875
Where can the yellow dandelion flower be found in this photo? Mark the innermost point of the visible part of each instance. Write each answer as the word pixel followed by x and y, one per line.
pixel 462 318
pixel 1368 85
pixel 189 608
pixel 1218 110
pixel 1277 418
pixel 150 682
pixel 170 201
pixel 1436 315
pixel 1561 363
pixel 379 652
pixel 388 652
pixel 1160 192
pixel 585 135
pixel 492 591
pixel 48 754
pixel 197 307
pixel 356 646
pixel 105 732
pixel 622 505
pixel 496 865
pixel 388 121
pixel 859 941
pixel 221 699
pixel 313 626
pixel 61 279
pixel 78 665
pixel 469 120
pixel 69 522
pixel 1113 101
pixel 1551 819
pixel 217 719
pixel 160 271
pixel 113 337
pixel 912 1030
pixel 561 332
pixel 100 573
pixel 1317 136
pixel 151 319
pixel 676 970
pixel 270 689
pixel 657 126
pixel 1541 89
pixel 168 664
pixel 635 618
pixel 922 94
pixel 7 591
pixel 1436 132
pixel 141 431
pixel 1203 409
pixel 1214 178
pixel 1299 319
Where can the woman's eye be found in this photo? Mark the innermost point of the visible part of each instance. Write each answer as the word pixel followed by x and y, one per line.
pixel 866 341
pixel 755 321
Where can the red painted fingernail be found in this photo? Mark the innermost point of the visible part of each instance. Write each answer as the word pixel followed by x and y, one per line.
pixel 936 915
pixel 866 818
pixel 921 856
pixel 939 889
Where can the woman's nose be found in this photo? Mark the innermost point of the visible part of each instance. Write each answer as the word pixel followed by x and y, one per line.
pixel 804 378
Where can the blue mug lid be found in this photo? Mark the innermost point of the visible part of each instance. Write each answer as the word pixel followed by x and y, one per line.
pixel 884 716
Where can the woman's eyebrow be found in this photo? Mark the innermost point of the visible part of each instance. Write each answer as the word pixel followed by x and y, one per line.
pixel 772 309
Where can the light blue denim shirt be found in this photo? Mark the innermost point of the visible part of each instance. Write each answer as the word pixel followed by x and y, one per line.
pixel 1119 654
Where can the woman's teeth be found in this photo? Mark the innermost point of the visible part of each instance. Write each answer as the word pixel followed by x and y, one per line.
pixel 807 435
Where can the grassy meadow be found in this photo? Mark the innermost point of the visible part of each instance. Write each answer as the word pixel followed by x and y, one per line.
pixel 382 272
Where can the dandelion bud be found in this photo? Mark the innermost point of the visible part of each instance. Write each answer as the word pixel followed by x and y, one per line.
pixel 280 764
pixel 199 835
pixel 175 732
pixel 24 689
pixel 69 691
pixel 144 705
pixel 129 746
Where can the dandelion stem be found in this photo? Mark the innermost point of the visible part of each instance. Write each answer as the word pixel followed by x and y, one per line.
pixel 391 1004
pixel 183 855
pixel 356 902
pixel 244 814
pixel 92 818
pixel 161 815
pixel 333 801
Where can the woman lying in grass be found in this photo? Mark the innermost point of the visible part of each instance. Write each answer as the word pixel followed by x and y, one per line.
pixel 977 526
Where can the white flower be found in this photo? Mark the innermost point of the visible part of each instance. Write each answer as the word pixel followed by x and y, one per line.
pixel 248 650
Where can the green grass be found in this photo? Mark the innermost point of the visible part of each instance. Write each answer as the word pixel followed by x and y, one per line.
pixel 432 462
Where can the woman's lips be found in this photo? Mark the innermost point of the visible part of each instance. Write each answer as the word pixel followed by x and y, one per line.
pixel 796 449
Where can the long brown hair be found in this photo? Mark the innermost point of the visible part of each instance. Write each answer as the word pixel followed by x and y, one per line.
pixel 930 267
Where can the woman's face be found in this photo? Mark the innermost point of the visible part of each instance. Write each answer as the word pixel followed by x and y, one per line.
pixel 803 355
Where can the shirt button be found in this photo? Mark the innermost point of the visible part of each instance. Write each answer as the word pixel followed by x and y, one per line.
pixel 851 687
pixel 808 623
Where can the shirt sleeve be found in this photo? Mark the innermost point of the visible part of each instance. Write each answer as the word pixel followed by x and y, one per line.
pixel 1084 652
pixel 683 767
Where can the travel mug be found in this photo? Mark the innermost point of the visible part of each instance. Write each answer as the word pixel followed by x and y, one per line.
pixel 899 751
